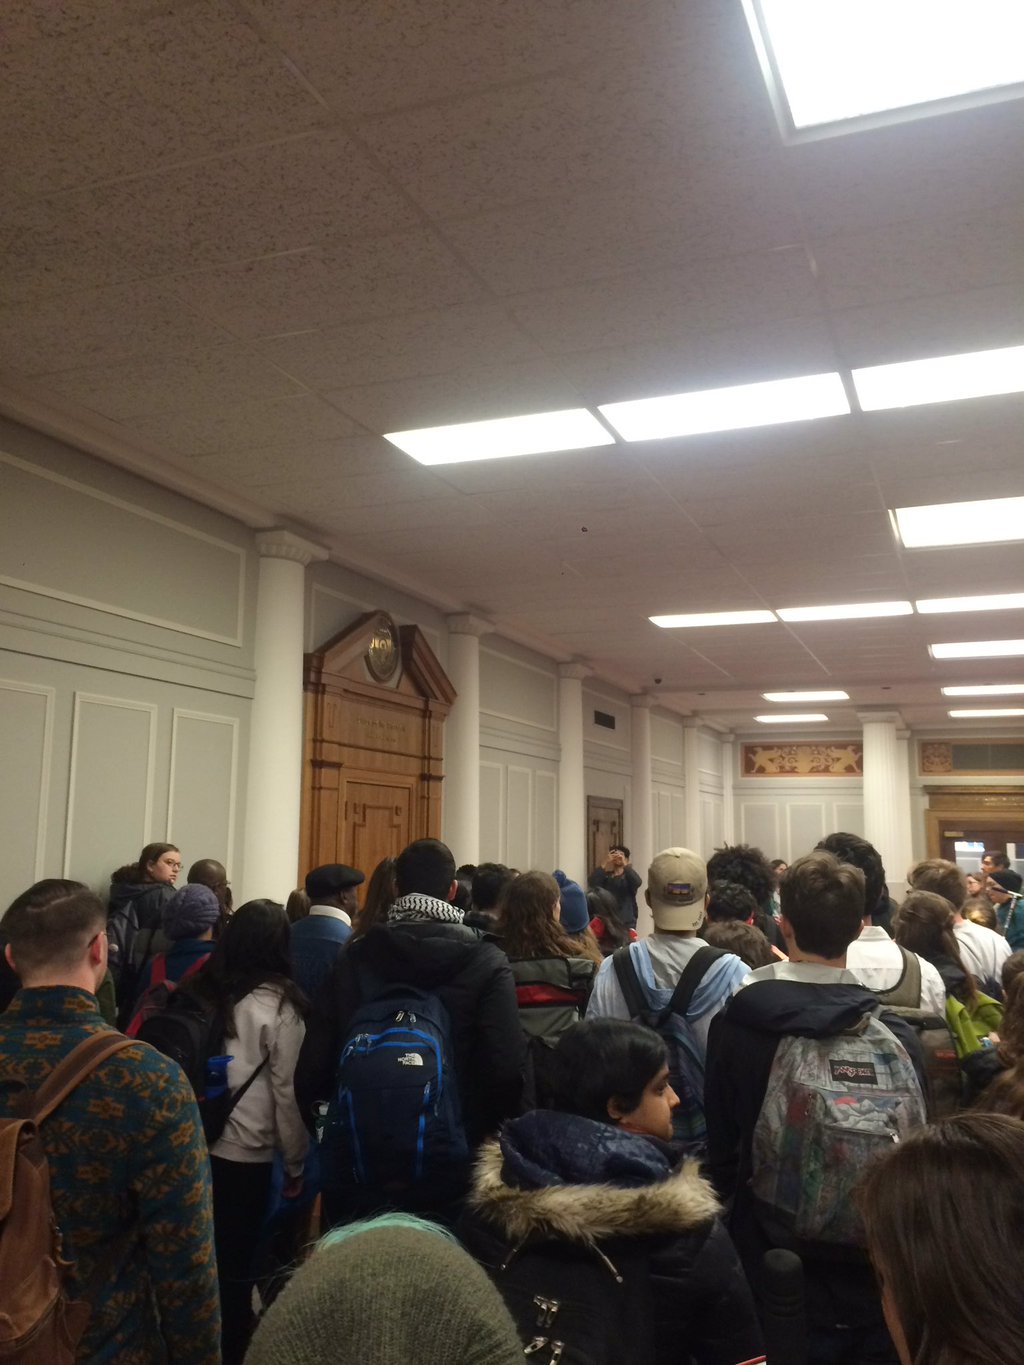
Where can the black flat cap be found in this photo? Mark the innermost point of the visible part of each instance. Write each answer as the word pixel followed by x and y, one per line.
pixel 330 879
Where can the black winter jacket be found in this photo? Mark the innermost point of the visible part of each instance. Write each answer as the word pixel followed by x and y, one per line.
pixel 472 979
pixel 560 1194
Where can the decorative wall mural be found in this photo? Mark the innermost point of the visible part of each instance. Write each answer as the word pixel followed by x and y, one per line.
pixel 936 758
pixel 844 759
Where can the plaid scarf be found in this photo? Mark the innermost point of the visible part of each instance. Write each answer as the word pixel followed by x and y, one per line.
pixel 416 906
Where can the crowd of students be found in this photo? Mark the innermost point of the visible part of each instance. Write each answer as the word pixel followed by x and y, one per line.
pixel 523 1130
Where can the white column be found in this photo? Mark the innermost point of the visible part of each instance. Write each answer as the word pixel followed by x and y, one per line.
pixel 728 791
pixel 271 842
pixel 462 739
pixel 692 833
pixel 640 836
pixel 572 832
pixel 886 792
pixel 897 875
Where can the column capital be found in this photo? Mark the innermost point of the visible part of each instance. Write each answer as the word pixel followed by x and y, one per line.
pixel 277 543
pixel 577 670
pixel 903 733
pixel 641 701
pixel 465 623
pixel 691 722
pixel 880 718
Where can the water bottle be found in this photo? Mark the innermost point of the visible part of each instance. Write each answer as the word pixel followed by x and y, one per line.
pixel 217 1076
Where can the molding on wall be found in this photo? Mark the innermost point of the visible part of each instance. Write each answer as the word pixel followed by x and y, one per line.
pixel 501 770
pixel 49 695
pixel 180 713
pixel 37 638
pixel 115 703
pixel 182 528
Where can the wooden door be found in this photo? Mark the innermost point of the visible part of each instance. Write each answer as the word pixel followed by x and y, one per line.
pixel 604 828
pixel 984 832
pixel 376 821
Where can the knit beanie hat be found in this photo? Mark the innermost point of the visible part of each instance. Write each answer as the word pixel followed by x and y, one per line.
pixel 573 909
pixel 393 1291
pixel 1006 879
pixel 190 912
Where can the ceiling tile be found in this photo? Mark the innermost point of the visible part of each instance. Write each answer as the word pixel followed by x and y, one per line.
pixel 290 421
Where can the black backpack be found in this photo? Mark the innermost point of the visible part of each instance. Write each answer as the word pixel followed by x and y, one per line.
pixel 574 1304
pixel 190 1035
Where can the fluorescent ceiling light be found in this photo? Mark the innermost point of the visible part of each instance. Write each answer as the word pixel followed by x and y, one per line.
pixel 1003 601
pixel 535 434
pixel 853 611
pixel 988 690
pixel 788 698
pixel 996 711
pixel 985 522
pixel 977 374
pixel 845 58
pixel 714 618
pixel 742 405
pixel 806 719
pixel 978 649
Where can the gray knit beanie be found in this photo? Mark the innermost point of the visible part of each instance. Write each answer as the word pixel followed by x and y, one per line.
pixel 190 912
pixel 393 1291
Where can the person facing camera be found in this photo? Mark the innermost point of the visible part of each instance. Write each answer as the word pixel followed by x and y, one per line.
pixel 586 1208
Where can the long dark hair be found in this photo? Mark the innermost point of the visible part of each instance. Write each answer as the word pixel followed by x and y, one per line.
pixel 251 951
pixel 603 1059
pixel 603 906
pixel 381 894
pixel 133 874
pixel 953 1280
pixel 924 925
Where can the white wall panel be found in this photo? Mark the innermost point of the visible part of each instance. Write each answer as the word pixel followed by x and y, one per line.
pixel 492 813
pixel 805 825
pixel 666 741
pixel 110 797
pixel 202 784
pixel 517 691
pixel 709 751
pixel 545 821
pixel 193 582
pixel 848 816
pixel 712 822
pixel 759 825
pixel 26 730
pixel 520 800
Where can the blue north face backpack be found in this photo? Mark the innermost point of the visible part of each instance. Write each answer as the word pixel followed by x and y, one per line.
pixel 394 1121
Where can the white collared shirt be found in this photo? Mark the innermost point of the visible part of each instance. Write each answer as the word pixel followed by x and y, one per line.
pixel 816 973
pixel 877 963
pixel 331 912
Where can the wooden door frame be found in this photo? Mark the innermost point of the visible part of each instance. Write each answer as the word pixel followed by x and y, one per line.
pixel 985 807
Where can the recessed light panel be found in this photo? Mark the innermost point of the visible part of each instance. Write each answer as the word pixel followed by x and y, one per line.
pixel 794 698
pixel 985 522
pixel 808 718
pixel 852 611
pixel 978 374
pixel 978 649
pixel 742 405
pixel 988 690
pixel 536 433
pixel 988 715
pixel 714 618
pixel 1004 601
pixel 847 58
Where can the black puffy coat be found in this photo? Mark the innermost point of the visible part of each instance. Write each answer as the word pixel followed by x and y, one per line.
pixel 559 1181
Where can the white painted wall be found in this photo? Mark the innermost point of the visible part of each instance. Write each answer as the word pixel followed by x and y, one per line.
pixel 126 621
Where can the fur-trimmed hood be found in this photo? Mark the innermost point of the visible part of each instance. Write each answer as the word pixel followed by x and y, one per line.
pixel 670 1203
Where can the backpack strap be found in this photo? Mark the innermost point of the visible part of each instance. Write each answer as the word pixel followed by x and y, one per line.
pixel 69 1073
pixel 243 1088
pixel 907 990
pixel 158 970
pixel 693 974
pixel 629 981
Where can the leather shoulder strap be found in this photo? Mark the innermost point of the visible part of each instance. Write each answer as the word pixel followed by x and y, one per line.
pixel 80 1062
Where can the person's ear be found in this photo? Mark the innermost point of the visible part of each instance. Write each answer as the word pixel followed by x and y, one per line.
pixel 647 895
pixel 9 958
pixel 616 1110
pixel 452 890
